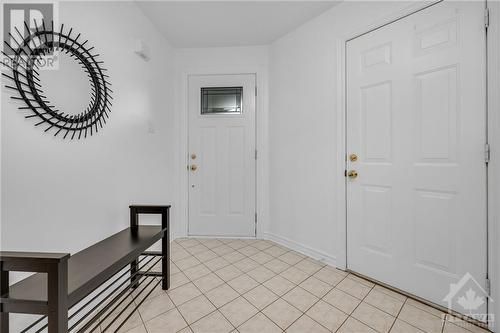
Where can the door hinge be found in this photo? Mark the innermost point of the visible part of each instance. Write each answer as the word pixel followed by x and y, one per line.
pixel 487 152
pixel 255 90
pixel 486 17
pixel 255 153
pixel 345 173
pixel 487 286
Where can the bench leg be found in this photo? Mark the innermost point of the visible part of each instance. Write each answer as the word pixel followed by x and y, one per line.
pixel 4 289
pixel 165 249
pixel 58 297
pixel 133 269
pixel 134 265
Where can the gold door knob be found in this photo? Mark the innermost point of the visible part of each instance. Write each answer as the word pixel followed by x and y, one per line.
pixel 193 156
pixel 193 167
pixel 353 157
pixel 352 174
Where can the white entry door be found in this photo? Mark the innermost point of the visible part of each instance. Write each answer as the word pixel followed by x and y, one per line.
pixel 416 212
pixel 222 155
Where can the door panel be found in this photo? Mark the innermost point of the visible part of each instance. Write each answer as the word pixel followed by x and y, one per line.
pixel 377 122
pixel 376 206
pixel 222 142
pixel 416 213
pixel 236 174
pixel 437 116
pixel 207 183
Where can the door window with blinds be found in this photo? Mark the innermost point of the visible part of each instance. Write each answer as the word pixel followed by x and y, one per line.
pixel 221 100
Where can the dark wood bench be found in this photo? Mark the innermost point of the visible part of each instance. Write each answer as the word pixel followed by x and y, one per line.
pixel 63 280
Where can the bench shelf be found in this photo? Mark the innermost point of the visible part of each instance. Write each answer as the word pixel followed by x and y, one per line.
pixel 63 280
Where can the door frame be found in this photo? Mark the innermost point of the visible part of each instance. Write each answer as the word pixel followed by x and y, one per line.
pixel 261 143
pixel 493 136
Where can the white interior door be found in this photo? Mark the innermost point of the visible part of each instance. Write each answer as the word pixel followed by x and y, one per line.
pixel 222 155
pixel 416 213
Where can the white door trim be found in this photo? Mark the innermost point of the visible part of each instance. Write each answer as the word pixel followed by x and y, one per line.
pixel 493 135
pixel 493 53
pixel 261 137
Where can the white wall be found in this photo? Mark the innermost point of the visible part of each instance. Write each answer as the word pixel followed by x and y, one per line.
pixel 303 133
pixel 61 195
pixel 220 60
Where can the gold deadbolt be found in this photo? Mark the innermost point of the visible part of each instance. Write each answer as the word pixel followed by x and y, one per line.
pixel 353 157
pixel 352 174
pixel 193 167
pixel 193 156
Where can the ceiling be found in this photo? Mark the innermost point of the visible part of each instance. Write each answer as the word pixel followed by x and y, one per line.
pixel 229 23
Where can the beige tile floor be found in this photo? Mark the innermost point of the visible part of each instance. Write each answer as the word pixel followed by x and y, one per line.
pixel 257 286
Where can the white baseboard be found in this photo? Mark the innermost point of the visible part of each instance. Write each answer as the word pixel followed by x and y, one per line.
pixel 301 248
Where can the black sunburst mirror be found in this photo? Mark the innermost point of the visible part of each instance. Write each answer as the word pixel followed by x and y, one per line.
pixel 27 53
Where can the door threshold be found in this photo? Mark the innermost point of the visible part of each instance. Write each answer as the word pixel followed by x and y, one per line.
pixel 228 237
pixel 441 308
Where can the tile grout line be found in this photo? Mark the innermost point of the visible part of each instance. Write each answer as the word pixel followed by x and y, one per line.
pixel 319 299
pixel 190 281
pixel 356 308
pixel 279 297
pixel 399 312
pixel 175 306
pixel 275 273
pixel 394 298
pixel 259 284
pixel 242 295
pixel 225 282
pixel 216 308
pixel 124 313
pixel 140 316
pixel 422 311
pixel 295 286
